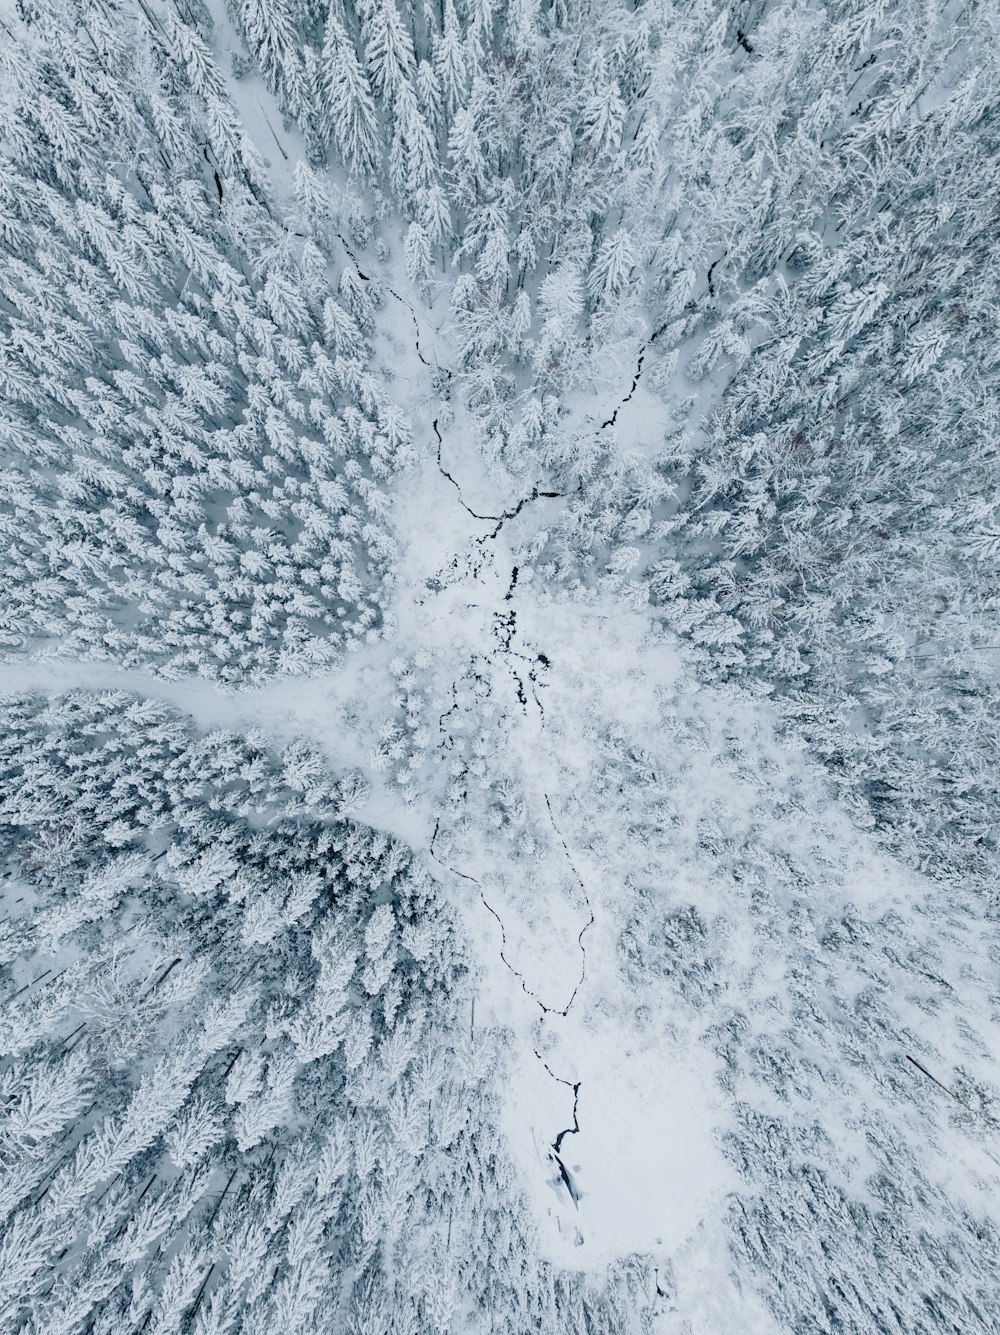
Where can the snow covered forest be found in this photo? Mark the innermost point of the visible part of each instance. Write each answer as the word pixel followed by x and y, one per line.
pixel 499 646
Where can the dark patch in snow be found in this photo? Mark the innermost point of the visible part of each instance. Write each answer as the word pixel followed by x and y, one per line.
pixel 638 373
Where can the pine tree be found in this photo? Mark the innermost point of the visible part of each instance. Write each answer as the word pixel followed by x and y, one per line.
pixel 350 108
